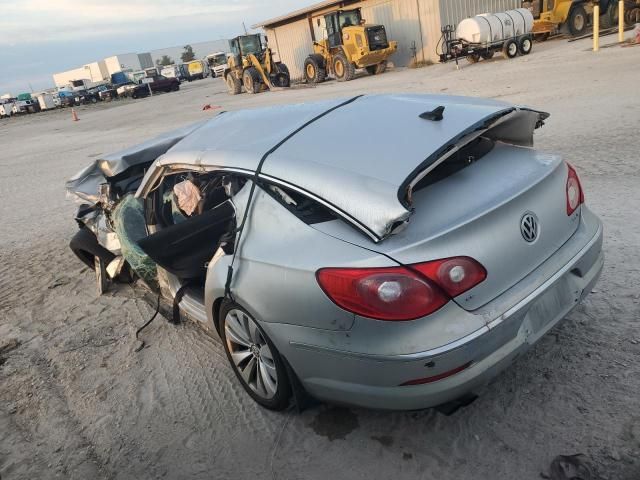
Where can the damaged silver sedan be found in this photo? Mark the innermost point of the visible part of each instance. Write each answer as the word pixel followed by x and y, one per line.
pixel 386 251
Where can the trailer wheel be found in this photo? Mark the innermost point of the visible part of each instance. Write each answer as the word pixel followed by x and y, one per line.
pixel 488 55
pixel 578 20
pixel 234 85
pixel 473 58
pixel 525 45
pixel 343 68
pixel 510 49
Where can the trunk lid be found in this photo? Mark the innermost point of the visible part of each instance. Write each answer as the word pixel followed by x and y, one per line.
pixel 477 212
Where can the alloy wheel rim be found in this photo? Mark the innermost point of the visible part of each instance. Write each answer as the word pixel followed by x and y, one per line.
pixel 526 45
pixel 251 354
pixel 310 71
pixel 512 48
pixel 580 21
pixel 339 68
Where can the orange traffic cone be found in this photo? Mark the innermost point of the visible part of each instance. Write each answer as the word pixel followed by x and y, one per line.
pixel 74 115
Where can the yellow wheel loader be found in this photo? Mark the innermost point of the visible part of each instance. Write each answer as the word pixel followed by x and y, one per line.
pixel 350 44
pixel 251 65
pixel 572 16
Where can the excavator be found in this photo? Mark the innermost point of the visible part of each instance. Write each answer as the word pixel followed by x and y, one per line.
pixel 251 65
pixel 574 16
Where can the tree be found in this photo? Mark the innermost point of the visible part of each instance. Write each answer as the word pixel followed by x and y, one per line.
pixel 188 54
pixel 165 60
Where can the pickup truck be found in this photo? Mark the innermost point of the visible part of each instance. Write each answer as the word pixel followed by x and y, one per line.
pixel 160 83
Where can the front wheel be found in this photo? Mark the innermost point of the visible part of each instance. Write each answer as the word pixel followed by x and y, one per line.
pixel 251 80
pixel 234 85
pixel 314 70
pixel 254 358
pixel 343 68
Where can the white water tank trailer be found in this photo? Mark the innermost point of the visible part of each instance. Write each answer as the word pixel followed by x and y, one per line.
pixel 481 36
pixel 495 27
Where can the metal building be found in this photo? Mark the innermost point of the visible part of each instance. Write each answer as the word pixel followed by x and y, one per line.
pixel 414 24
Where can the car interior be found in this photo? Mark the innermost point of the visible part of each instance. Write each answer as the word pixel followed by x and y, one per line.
pixel 190 229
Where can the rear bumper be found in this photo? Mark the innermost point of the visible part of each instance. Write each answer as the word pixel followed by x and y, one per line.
pixel 515 321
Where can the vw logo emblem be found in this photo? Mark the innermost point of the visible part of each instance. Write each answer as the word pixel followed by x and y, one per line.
pixel 529 227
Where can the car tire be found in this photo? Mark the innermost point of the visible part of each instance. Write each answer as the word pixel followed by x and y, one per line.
pixel 86 247
pixel 253 357
pixel 314 69
pixel 525 45
pixel 578 20
pixel 473 58
pixel 343 69
pixel 510 49
pixel 251 80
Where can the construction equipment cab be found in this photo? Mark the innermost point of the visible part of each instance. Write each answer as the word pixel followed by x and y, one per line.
pixel 349 44
pixel 251 65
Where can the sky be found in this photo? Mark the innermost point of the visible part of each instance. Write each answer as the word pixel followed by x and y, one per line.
pixel 42 37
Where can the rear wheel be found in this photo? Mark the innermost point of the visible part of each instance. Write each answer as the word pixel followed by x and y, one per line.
pixel 234 85
pixel 510 49
pixel 578 20
pixel 525 45
pixel 254 358
pixel 378 68
pixel 314 71
pixel 251 80
pixel 342 68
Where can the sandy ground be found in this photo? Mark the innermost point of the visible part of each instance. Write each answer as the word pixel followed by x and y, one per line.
pixel 77 402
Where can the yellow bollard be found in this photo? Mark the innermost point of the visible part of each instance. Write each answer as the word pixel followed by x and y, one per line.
pixel 621 21
pixel 596 27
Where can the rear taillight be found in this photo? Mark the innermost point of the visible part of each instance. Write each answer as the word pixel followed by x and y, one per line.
pixel 575 195
pixel 400 293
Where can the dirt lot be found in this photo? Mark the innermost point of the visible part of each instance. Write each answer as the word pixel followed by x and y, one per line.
pixel 77 402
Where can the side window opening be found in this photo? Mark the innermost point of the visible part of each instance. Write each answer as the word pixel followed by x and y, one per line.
pixel 306 209
pixel 196 220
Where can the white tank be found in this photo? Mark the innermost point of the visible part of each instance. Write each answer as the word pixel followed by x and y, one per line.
pixel 495 27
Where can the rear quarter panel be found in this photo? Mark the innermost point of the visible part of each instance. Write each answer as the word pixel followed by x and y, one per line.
pixel 274 275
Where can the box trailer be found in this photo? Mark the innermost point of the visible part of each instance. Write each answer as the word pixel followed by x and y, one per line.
pixel 45 100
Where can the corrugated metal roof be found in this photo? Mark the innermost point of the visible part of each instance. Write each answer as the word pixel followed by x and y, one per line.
pixel 298 13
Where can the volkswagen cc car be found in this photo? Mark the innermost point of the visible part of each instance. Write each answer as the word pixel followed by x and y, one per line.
pixel 385 251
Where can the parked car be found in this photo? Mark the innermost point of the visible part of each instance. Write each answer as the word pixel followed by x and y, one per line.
pixel 108 92
pixel 133 90
pixel 6 107
pixel 85 97
pixel 397 273
pixel 25 106
pixel 66 98
pixel 160 83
